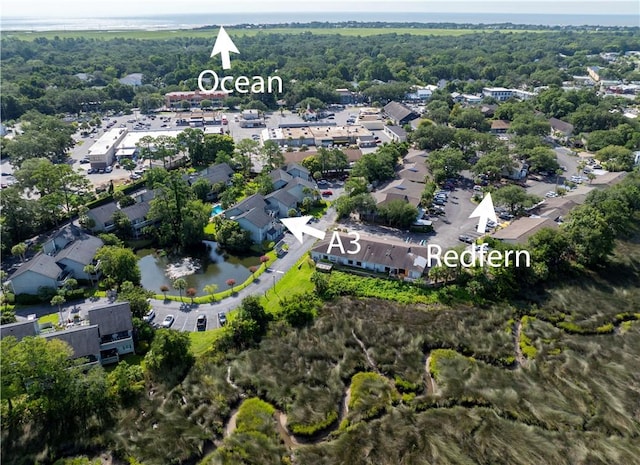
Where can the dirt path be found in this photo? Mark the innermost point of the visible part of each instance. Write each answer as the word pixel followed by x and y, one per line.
pixel 345 403
pixel 520 360
pixel 231 424
pixel 366 354
pixel 432 388
pixel 289 439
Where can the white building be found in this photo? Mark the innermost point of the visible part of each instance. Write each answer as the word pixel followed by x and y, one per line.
pixel 499 93
pixel 102 152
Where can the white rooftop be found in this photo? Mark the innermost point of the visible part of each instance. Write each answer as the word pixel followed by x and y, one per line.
pixel 106 141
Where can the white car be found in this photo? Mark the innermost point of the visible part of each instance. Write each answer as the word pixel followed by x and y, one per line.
pixel 151 314
pixel 168 321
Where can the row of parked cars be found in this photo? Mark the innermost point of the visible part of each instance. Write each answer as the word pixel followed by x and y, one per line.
pixel 201 321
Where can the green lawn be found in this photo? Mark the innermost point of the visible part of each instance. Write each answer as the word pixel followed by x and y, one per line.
pixel 201 341
pixel 295 281
pixel 211 33
pixel 52 318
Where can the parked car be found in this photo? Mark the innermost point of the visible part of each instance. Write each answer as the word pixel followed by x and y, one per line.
pixel 439 201
pixel 84 161
pixel 201 323
pixel 222 318
pixel 477 188
pixel 101 171
pixel 108 169
pixel 151 314
pixel 91 171
pixel 465 238
pixel 505 216
pixel 327 193
pixel 168 321
pixel 134 176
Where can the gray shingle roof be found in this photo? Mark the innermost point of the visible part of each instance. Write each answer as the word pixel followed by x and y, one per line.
pixel 19 330
pixel 103 214
pixel 256 216
pixel 283 197
pixel 399 112
pixel 112 318
pixel 280 175
pixel 253 201
pixel 82 250
pixel 84 340
pixel 137 211
pixel 42 264
pixel 299 181
pixel 295 166
pixel 221 172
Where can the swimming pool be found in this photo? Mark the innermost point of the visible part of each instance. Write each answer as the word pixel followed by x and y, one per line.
pixel 216 210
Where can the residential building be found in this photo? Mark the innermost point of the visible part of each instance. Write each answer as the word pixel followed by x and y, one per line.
pixel 353 155
pixel 500 126
pixel 421 93
pixel 252 215
pixel 279 178
pixel 396 133
pixel 102 152
pixel 133 79
pixel 499 93
pixel 103 337
pixel 393 258
pixel 281 202
pixel 62 257
pixel 115 330
pixel 83 340
pixel 560 130
pixel 137 214
pixel 194 98
pixel 523 94
pixel 399 113
pixel 519 231
pixel 216 174
pixel 20 329
pixel 402 189
pixel 297 171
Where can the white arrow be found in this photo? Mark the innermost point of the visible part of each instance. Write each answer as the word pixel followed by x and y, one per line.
pixel 299 226
pixel 484 212
pixel 224 45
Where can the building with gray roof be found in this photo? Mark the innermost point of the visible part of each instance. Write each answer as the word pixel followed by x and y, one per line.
pixel 64 256
pixel 20 329
pixel 400 114
pixel 83 340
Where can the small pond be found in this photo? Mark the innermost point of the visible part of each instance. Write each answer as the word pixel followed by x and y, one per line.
pixel 208 267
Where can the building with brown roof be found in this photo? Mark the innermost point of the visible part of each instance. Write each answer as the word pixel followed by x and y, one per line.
pixel 519 231
pixel 391 257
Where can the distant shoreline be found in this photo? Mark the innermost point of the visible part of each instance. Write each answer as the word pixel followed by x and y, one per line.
pixel 315 20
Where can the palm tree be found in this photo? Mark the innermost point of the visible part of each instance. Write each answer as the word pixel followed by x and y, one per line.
pixel 558 173
pixel 58 300
pixel 253 270
pixel 91 271
pixel 231 282
pixel 164 289
pixel 211 290
pixel 19 250
pixel 180 284
pixel 435 273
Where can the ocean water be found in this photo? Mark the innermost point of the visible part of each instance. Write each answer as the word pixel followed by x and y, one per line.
pixel 186 21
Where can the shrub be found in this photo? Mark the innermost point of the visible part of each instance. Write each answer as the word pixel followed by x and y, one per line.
pixel 310 430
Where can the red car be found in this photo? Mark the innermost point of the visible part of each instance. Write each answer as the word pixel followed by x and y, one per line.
pixel 326 193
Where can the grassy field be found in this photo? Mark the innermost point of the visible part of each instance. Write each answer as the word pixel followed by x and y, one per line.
pixel 169 34
pixel 202 341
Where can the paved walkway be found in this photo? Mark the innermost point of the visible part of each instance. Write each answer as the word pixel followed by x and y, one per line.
pixel 186 314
